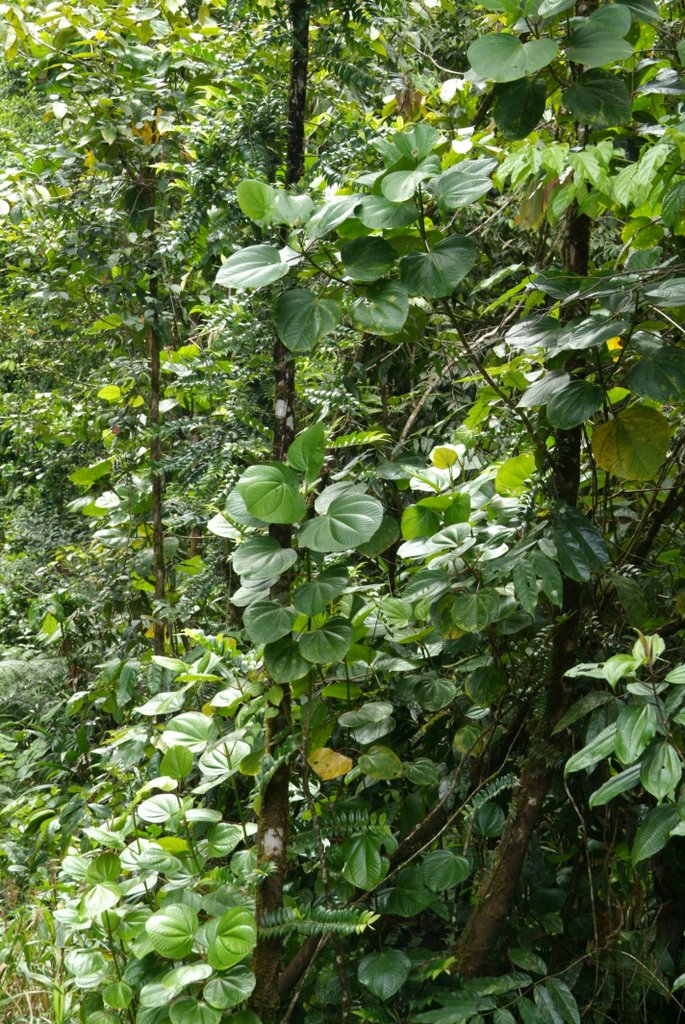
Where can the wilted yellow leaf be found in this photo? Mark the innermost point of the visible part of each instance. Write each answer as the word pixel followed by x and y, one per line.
pixel 328 764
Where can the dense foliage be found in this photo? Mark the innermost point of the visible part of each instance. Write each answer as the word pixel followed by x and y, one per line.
pixel 342 383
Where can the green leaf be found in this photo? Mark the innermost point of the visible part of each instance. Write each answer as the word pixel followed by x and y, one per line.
pixel 660 376
pixel 313 598
pixel 661 770
pixel 308 450
pixel 418 521
pixel 118 995
pixel 616 785
pixel 527 960
pixel 436 274
pixel 367 258
pixel 363 865
pixel 600 99
pixel 223 760
pixel 443 869
pixel 232 988
pixel 284 662
pixel 598 40
pixel 172 930
pixel 501 57
pixel 332 213
pixel 329 643
pixel 513 474
pixel 254 267
pixel 233 936
pixel 653 832
pixel 223 838
pixel 270 493
pixel 266 621
pixel 673 207
pixel 669 293
pixel 191 730
pixel 574 405
pixel 549 576
pixel 378 213
pixel 257 200
pixel 519 106
pixel 464 184
pixel 635 730
pixel 634 444
pixel 642 10
pixel 99 898
pixel 556 1002
pixel 526 584
pixel 302 319
pixel 385 973
pixel 160 808
pixel 435 693
pixel 177 763
pixel 473 612
pixel 384 537
pixel 399 186
pixel 382 309
pixel 590 332
pixel 580 546
pixel 380 763
pixel 262 558
pixel 189 1011
pixel 598 748
pixel 351 519
pixel 87 475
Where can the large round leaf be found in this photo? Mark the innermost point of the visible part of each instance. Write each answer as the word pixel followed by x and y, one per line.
pixel 308 451
pixel 399 186
pixel 474 611
pixel 443 869
pixel 435 274
pixel 266 621
pixel 257 200
pixel 332 213
pixel 363 865
pixel 351 519
pixel 464 184
pixel 172 930
pixel 302 319
pixel 599 98
pixel 190 1011
pixel 580 546
pixel 191 730
pixel 313 598
pixel 254 267
pixel 385 973
pixel 329 764
pixel 262 558
pixel 367 258
pixel 232 937
pixel 223 759
pixel 634 444
pixel 598 40
pixel 519 106
pixel 502 57
pixel 231 988
pixel 660 376
pixel 283 661
pixel 377 212
pixel 329 643
pixel 575 404
pixel 270 493
pixel 382 309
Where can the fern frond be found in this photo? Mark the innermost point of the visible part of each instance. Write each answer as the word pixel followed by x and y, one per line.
pixel 353 822
pixel 490 791
pixel 315 921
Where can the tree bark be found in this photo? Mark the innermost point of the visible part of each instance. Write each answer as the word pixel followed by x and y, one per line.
pixel 274 814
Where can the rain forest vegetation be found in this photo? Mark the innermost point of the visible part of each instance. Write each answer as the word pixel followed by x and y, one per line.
pixel 342 570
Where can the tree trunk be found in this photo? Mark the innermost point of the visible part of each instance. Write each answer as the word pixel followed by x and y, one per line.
pixel 274 814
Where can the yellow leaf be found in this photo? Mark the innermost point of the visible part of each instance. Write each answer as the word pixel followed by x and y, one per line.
pixel 328 764
pixel 444 456
pixel 90 161
pixel 615 344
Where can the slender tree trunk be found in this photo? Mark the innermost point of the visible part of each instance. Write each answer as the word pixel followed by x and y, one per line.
pixel 488 917
pixel 274 814
pixel 154 370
